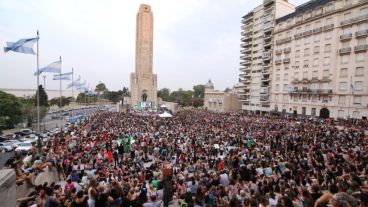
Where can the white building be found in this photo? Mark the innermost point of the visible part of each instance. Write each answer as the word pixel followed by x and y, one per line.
pixel 320 51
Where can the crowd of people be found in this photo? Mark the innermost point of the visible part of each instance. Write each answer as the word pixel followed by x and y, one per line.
pixel 199 159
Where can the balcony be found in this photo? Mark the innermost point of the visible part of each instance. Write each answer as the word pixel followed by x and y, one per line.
pixel 362 33
pixel 346 37
pixel 298 36
pixel 287 50
pixel 246 63
pixel 354 19
pixel 268 26
pixel 264 98
pixel 283 40
pixel 246 45
pixel 266 55
pixel 307 33
pixel 346 50
pixel 247 38
pixel 247 27
pixel 267 43
pixel 328 27
pixel 317 30
pixel 309 91
pixel 361 48
pixel 278 62
pixel 278 51
pixel 245 69
pixel 265 78
pixel 286 60
pixel 247 20
pixel 264 90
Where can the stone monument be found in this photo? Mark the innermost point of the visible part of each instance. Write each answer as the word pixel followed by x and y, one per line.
pixel 143 83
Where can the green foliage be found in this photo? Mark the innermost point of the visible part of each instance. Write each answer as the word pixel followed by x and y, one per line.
pixel 227 90
pixel 43 97
pixel 101 89
pixel 64 101
pixel 86 99
pixel 198 91
pixel 114 96
pixel 164 94
pixel 10 110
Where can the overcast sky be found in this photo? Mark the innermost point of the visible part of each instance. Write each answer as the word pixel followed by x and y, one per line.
pixel 194 40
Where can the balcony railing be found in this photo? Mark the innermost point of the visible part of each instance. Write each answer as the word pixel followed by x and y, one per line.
pixel 361 48
pixel 317 30
pixel 264 90
pixel 328 27
pixel 345 50
pixel 344 37
pixel 286 60
pixel 287 50
pixel 307 33
pixel 278 62
pixel 354 19
pixel 278 51
pixel 362 33
pixel 266 55
pixel 283 40
pixel 312 91
pixel 298 36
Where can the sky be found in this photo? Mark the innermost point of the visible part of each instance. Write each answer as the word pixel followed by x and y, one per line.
pixel 194 40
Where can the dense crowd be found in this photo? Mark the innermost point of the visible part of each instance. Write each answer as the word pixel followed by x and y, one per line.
pixel 217 159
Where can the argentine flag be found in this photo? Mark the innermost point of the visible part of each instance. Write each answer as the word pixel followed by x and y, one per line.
pixel 74 83
pixel 54 67
pixel 22 46
pixel 64 76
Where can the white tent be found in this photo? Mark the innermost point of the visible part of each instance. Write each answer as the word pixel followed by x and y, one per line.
pixel 163 106
pixel 165 114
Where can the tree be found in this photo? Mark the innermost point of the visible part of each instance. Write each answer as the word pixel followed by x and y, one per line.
pixel 64 101
pixel 43 97
pixel 227 90
pixel 81 98
pixel 101 89
pixel 197 102
pixel 182 97
pixel 29 110
pixel 114 96
pixel 126 91
pixel 198 91
pixel 10 110
pixel 164 94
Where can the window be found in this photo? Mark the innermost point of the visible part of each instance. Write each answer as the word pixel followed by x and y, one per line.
pixel 285 87
pixel 328 35
pixel 340 114
pixel 285 98
pixel 295 98
pixel 324 99
pixel 343 86
pixel 306 64
pixel 358 86
pixel 314 99
pixel 326 74
pixel 329 21
pixel 362 41
pixel 305 75
pixel 330 7
pixel 306 40
pixel 297 63
pixel 313 112
pixel 345 59
pixel 357 100
pixel 360 57
pixel 297 42
pixel 359 71
pixel 306 52
pixel 317 37
pixel 297 53
pixel 356 114
pixel 315 62
pixel 286 76
pixel 315 74
pixel 342 100
pixel 326 61
pixel 276 97
pixel 327 48
pixel 364 11
pixel 304 98
pixel 317 24
pixel 347 15
pixel 277 77
pixel 348 2
pixel 277 88
pixel 345 45
pixel 343 72
pixel 346 30
pixel 363 26
pixel 296 75
pixel 316 50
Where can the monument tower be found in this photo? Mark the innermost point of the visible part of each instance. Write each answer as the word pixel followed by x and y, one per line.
pixel 143 82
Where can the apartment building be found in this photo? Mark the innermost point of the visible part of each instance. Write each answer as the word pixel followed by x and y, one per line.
pixel 320 60
pixel 256 54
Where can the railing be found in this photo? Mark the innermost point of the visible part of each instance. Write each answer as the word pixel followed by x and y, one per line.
pixel 278 51
pixel 287 50
pixel 346 36
pixel 354 19
pixel 264 90
pixel 345 50
pixel 328 27
pixel 298 36
pixel 266 55
pixel 283 40
pixel 361 48
pixel 317 30
pixel 362 33
pixel 277 62
pixel 307 33
pixel 313 91
pixel 286 60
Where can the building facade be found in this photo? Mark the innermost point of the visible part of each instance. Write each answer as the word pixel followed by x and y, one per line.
pixel 143 82
pixel 256 54
pixel 220 101
pixel 320 65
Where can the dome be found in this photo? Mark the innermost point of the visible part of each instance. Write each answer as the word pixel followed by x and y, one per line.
pixel 209 84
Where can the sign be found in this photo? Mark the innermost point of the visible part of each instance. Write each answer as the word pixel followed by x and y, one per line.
pixel 146 104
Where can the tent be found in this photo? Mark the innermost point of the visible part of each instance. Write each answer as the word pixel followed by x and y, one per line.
pixel 165 114
pixel 163 106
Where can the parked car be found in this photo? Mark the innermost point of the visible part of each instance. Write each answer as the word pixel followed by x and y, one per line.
pixel 6 146
pixel 27 131
pixel 24 146
pixel 20 133
pixel 14 143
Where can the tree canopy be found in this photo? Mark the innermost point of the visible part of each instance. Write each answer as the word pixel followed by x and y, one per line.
pixel 10 110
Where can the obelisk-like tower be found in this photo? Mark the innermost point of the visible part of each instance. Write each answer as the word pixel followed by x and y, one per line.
pixel 143 83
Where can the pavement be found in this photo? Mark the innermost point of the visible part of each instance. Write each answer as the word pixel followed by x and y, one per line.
pixel 4 156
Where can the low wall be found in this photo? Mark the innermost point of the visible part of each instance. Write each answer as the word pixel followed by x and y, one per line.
pixel 8 191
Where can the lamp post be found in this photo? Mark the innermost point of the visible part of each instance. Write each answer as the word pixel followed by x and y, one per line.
pixel 44 87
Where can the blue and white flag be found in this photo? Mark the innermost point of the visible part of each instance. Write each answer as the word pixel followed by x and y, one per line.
pixel 65 76
pixel 74 83
pixel 81 86
pixel 22 46
pixel 54 67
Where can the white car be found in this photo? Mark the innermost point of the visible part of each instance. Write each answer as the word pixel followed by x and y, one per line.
pixel 14 143
pixel 6 146
pixel 25 146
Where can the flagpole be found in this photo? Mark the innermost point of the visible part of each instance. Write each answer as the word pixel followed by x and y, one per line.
pixel 61 106
pixel 38 94
pixel 351 92
pixel 73 91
